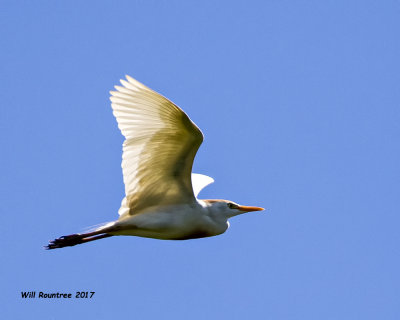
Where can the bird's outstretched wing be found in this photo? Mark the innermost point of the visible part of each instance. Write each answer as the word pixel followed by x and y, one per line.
pixel 160 146
pixel 199 182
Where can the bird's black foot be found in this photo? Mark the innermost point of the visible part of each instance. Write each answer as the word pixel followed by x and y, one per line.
pixel 65 241
pixel 74 239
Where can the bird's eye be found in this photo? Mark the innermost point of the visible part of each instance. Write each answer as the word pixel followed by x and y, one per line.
pixel 232 205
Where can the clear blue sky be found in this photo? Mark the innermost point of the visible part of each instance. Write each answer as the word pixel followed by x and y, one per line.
pixel 299 102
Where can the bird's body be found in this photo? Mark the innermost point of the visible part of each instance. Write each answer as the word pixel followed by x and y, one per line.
pixel 175 222
pixel 161 192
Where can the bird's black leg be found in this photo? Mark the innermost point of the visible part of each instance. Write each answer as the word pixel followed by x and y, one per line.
pixel 74 239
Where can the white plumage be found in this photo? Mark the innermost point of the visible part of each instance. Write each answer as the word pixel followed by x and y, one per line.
pixel 160 190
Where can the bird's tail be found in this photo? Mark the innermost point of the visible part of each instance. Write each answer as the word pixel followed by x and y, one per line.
pixel 77 238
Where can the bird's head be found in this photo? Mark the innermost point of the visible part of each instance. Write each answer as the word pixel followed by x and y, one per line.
pixel 229 208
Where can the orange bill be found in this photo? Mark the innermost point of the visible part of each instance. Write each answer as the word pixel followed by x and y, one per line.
pixel 249 209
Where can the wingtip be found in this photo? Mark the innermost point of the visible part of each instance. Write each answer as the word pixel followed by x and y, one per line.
pixel 133 82
pixel 126 84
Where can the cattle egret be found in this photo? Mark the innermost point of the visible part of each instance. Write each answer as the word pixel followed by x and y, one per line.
pixel 161 190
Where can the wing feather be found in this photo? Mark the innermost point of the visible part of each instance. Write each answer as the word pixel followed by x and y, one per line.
pixel 160 146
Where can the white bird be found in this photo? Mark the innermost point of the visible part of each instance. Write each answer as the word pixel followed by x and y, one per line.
pixel 161 192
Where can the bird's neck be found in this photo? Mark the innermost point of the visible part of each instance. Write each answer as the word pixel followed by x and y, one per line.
pixel 212 211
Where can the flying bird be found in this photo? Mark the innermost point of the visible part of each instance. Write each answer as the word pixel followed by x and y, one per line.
pixel 160 189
